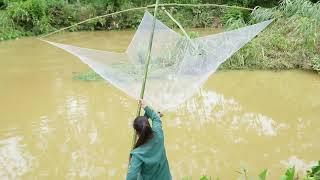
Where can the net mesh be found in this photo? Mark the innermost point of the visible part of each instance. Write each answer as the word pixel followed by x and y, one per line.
pixel 178 65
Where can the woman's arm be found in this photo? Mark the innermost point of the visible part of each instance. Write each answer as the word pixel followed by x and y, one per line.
pixel 154 116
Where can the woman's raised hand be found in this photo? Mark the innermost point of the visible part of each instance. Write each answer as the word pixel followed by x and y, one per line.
pixel 142 103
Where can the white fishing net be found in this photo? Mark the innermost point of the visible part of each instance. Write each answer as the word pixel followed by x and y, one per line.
pixel 178 66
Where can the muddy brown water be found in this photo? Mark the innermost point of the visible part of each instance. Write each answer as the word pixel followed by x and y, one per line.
pixel 54 127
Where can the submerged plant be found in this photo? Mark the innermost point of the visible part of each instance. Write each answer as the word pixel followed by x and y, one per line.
pixel 88 76
pixel 244 173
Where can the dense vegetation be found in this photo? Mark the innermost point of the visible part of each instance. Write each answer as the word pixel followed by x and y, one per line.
pixel 292 41
pixel 34 17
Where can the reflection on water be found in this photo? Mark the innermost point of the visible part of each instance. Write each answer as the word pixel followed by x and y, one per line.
pixel 213 107
pixel 14 160
pixel 299 164
pixel 54 127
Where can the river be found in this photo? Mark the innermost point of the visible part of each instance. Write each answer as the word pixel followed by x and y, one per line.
pixel 55 127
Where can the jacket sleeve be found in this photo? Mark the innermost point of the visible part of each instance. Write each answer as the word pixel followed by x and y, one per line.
pixel 134 168
pixel 155 118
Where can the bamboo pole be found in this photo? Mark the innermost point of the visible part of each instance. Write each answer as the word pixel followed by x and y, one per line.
pixel 97 17
pixel 148 57
pixel 178 24
pixel 201 5
pixel 144 8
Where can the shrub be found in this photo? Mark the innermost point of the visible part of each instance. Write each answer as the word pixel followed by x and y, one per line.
pixel 30 16
pixel 316 63
pixel 313 173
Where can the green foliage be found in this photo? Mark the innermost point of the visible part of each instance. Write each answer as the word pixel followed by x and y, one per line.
pixel 263 175
pixel 291 41
pixel 314 173
pixel 289 175
pixel 193 34
pixel 316 63
pixel 34 17
pixel 3 4
pixel 204 177
pixel 24 18
pixel 192 17
pixel 253 3
pixel 7 27
pixel 235 18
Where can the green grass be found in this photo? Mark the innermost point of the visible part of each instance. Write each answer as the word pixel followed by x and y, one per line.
pixel 289 174
pixel 292 41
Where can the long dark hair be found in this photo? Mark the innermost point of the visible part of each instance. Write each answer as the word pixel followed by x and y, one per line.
pixel 143 129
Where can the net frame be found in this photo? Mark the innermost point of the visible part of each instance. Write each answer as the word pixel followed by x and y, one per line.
pixel 195 60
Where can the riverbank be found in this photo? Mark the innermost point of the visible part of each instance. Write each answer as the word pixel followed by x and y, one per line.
pixel 292 41
pixel 38 17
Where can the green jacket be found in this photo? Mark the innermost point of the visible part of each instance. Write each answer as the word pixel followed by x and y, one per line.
pixel 149 161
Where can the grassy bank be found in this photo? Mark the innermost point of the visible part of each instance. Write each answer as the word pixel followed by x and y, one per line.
pixel 291 42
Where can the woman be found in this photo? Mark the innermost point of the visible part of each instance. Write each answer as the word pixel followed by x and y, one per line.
pixel 148 159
